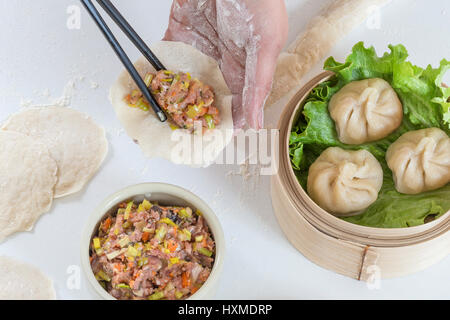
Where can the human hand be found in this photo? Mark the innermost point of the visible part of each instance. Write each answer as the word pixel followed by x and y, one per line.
pixel 245 37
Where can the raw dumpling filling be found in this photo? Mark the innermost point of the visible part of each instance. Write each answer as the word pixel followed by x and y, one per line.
pixel 147 251
pixel 184 99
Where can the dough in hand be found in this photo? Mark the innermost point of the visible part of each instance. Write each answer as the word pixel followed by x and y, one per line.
pixel 345 182
pixel 158 139
pixel 21 281
pixel 420 160
pixel 27 179
pixel 75 142
pixel 366 110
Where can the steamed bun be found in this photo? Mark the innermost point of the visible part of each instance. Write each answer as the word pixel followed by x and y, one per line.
pixel 365 111
pixel 345 182
pixel 420 160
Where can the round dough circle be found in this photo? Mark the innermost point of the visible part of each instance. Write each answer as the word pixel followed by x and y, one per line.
pixel 420 160
pixel 366 110
pixel 345 182
pixel 158 139
pixel 77 143
pixel 21 281
pixel 27 180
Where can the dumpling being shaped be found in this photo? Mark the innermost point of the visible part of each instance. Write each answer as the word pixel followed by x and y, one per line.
pixel 420 160
pixel 345 182
pixel 365 110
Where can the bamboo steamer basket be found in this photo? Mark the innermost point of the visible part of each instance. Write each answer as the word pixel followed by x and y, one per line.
pixel 355 251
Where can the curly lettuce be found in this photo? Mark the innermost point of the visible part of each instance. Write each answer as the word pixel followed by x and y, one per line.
pixel 426 104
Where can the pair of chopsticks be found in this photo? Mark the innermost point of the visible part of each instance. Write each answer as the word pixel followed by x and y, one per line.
pixel 117 17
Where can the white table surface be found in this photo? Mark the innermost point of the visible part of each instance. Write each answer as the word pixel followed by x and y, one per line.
pixel 40 57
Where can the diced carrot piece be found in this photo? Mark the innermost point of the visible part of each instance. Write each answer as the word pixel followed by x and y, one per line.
pixel 194 290
pixel 107 224
pixel 174 231
pixel 145 236
pixel 172 245
pixel 137 274
pixel 185 279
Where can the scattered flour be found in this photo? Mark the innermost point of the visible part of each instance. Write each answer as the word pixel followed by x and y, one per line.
pixel 46 93
pixel 120 132
pixel 145 170
pixel 250 181
pixel 65 100
pixel 94 85
pixel 25 103
pixel 218 198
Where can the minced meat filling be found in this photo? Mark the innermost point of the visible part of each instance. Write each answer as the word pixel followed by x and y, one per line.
pixel 184 99
pixel 147 251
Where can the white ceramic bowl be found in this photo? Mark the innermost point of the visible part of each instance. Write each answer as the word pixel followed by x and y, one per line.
pixel 165 194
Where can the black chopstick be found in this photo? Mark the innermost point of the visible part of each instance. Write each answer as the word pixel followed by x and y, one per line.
pixel 131 34
pixel 124 58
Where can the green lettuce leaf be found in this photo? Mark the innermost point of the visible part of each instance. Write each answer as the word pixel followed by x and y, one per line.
pixel 425 104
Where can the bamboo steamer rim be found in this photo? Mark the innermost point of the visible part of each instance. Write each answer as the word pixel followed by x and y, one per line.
pixel 326 222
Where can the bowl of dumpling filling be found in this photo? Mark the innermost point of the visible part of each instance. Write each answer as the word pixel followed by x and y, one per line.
pixel 153 241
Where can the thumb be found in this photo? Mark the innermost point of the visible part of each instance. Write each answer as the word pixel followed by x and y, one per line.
pixel 259 72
